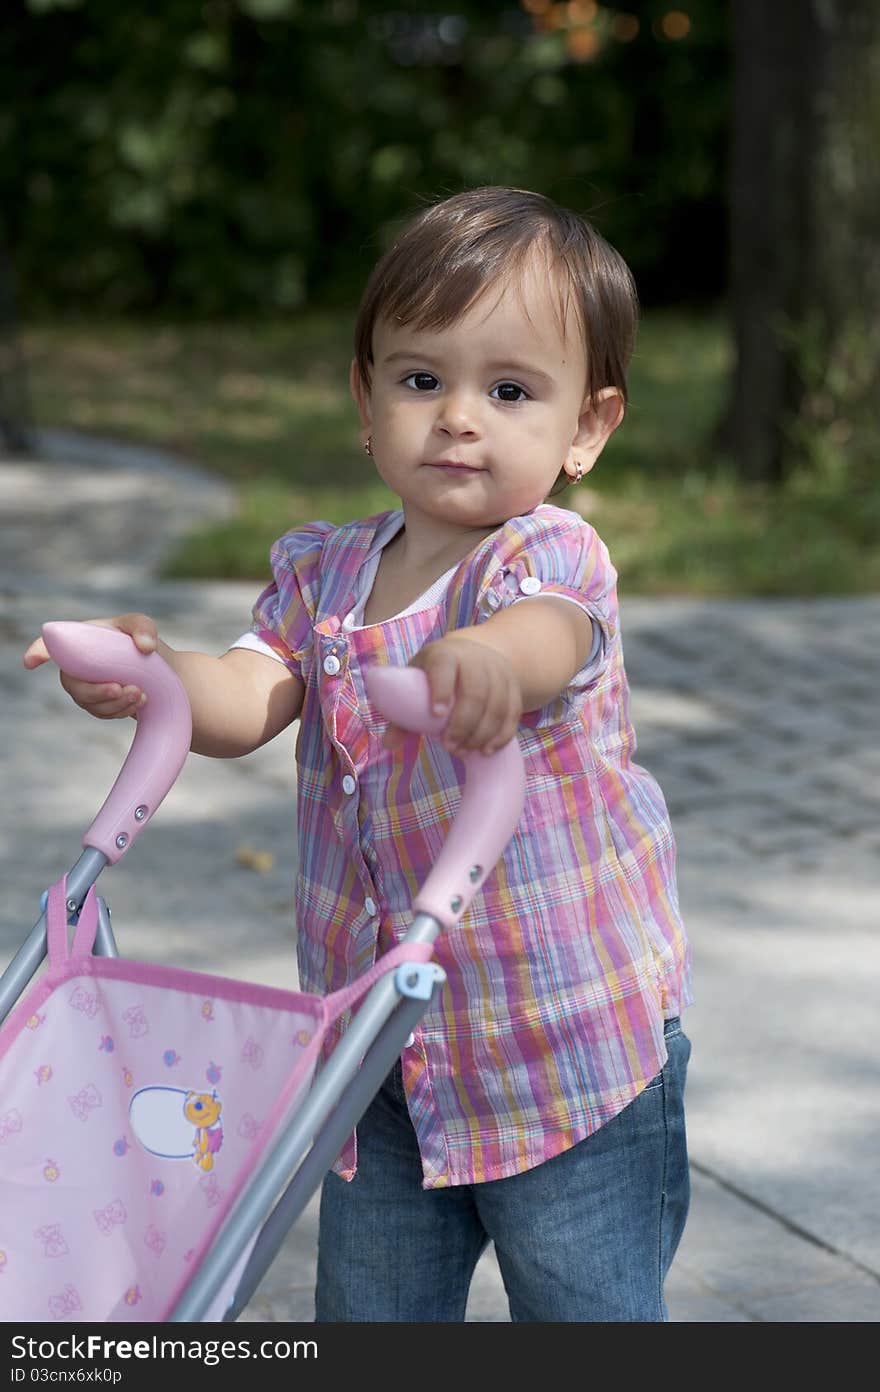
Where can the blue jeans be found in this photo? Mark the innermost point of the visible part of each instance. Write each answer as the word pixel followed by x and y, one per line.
pixel 586 1236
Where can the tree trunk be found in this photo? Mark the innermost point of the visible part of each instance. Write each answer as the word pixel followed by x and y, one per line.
pixel 805 223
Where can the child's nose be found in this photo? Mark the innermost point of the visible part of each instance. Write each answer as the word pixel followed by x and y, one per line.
pixel 458 414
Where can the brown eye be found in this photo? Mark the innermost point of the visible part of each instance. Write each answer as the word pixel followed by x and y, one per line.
pixel 422 381
pixel 509 391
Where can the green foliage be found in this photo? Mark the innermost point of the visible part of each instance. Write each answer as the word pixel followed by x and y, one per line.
pixel 833 442
pixel 217 157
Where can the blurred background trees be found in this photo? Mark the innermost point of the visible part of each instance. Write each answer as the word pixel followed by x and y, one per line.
pixel 220 157
pixel 805 218
pixel 193 191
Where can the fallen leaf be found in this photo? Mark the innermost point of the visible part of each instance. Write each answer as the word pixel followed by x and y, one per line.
pixel 253 859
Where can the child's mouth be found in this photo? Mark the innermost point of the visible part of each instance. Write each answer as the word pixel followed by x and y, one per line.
pixel 451 466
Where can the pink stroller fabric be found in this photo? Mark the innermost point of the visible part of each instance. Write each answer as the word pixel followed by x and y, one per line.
pixel 135 1102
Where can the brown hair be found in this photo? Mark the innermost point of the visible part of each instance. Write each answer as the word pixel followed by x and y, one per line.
pixel 449 253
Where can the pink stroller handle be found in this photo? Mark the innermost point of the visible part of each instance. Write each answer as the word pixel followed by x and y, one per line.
pixel 162 738
pixel 491 802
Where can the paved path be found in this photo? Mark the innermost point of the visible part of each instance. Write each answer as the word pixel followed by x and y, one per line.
pixel 759 718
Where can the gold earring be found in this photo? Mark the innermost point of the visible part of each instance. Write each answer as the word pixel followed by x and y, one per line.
pixel 368 446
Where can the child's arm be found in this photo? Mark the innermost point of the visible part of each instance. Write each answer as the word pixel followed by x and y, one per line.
pixel 239 701
pixel 518 660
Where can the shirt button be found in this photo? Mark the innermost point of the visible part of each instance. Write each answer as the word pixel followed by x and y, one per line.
pixel 370 905
pixel 349 784
pixel 409 1043
pixel 529 585
pixel 349 621
pixel 331 665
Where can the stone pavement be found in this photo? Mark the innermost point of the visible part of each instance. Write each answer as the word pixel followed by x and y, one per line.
pixel 759 719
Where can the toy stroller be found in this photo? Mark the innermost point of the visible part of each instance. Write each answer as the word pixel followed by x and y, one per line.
pixel 160 1129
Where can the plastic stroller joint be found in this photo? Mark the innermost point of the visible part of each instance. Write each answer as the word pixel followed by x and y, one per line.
pixel 418 979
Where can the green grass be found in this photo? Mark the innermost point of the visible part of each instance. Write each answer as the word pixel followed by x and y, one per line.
pixel 267 407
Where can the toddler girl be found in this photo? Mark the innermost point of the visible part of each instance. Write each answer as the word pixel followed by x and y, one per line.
pixel 541 1105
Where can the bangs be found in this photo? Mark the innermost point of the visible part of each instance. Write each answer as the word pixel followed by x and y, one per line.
pixel 460 279
pixel 437 295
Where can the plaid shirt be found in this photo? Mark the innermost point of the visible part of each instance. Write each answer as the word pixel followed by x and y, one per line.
pixel 562 971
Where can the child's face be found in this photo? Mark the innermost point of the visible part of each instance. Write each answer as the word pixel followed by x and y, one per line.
pixel 471 424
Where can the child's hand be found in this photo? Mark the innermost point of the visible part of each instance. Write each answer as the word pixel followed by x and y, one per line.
pixel 105 700
pixel 478 686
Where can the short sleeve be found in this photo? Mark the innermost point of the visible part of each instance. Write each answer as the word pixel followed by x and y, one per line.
pixel 558 553
pixel 284 613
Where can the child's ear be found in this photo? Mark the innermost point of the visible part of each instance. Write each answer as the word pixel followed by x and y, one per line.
pixel 597 422
pixel 361 394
